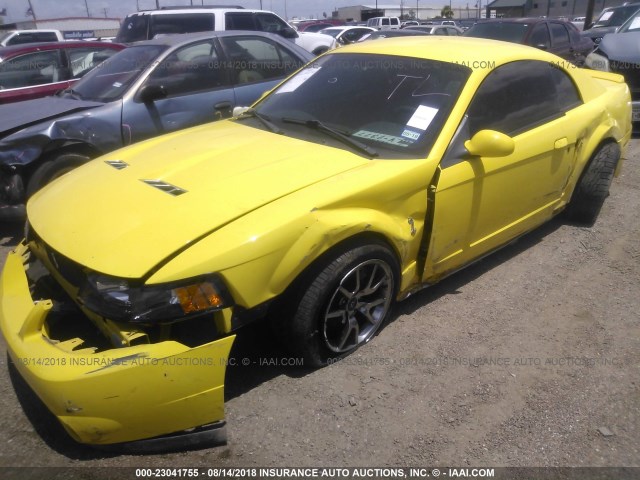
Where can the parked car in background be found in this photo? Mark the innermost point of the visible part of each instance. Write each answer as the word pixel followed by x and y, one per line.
pixel 19 37
pixel 345 35
pixel 384 23
pixel 620 53
pixel 609 20
pixel 555 36
pixel 379 169
pixel 317 25
pixel 380 34
pixel 146 25
pixel 36 70
pixel 442 29
pixel 148 89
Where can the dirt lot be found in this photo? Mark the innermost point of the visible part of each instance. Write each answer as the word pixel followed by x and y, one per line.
pixel 528 358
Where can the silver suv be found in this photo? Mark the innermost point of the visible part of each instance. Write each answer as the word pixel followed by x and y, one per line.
pixel 149 24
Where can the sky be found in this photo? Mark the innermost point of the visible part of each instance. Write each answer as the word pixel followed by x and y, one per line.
pixel 16 10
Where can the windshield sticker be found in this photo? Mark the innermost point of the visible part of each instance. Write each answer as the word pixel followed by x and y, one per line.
pixel 382 138
pixel 635 24
pixel 293 84
pixel 422 117
pixel 411 134
pixel 117 85
pixel 605 16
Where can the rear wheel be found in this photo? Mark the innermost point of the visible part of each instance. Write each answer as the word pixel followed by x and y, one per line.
pixel 52 169
pixel 344 306
pixel 593 187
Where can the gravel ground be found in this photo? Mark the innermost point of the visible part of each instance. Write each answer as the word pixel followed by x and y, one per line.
pixel 528 358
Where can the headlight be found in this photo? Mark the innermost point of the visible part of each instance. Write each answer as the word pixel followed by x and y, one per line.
pixel 597 61
pixel 122 300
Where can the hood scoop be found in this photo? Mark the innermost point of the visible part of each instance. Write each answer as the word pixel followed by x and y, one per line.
pixel 117 164
pixel 165 187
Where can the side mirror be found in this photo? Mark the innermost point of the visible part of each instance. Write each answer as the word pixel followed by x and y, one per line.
pixel 237 111
pixel 288 32
pixel 151 93
pixel 489 143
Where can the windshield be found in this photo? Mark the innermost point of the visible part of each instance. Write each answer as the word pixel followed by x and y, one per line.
pixel 508 32
pixel 112 78
pixel 631 25
pixel 395 105
pixel 615 17
pixel 331 31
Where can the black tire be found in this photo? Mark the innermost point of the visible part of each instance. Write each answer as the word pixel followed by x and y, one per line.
pixel 342 306
pixel 52 169
pixel 593 186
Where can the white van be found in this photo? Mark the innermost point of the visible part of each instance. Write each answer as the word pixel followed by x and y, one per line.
pixel 384 23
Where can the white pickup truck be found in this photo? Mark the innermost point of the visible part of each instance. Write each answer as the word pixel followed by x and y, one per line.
pixel 17 37
pixel 148 24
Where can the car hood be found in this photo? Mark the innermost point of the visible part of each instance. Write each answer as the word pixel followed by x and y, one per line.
pixel 622 46
pixel 19 115
pixel 163 195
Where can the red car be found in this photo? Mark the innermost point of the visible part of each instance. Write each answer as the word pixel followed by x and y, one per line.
pixel 40 69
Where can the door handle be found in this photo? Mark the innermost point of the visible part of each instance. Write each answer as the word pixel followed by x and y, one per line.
pixel 222 109
pixel 561 143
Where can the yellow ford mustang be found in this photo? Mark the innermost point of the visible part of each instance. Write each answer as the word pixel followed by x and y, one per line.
pixel 376 170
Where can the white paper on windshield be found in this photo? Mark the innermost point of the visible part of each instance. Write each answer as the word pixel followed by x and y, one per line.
pixel 605 16
pixel 293 84
pixel 635 24
pixel 422 117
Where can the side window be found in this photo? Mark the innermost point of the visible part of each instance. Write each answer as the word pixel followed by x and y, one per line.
pixel 191 69
pixel 441 31
pixel 45 37
pixel 540 36
pixel 385 21
pixel 172 24
pixel 559 35
pixel 254 59
pixel 270 23
pixel 519 96
pixel 82 60
pixel 31 69
pixel 395 22
pixel 239 21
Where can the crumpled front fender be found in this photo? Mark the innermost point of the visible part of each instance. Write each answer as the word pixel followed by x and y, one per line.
pixel 114 396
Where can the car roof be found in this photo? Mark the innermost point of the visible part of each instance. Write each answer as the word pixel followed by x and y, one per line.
pixel 180 38
pixel 458 49
pixel 13 50
pixel 173 11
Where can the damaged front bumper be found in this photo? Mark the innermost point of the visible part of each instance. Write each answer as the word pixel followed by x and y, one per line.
pixel 153 392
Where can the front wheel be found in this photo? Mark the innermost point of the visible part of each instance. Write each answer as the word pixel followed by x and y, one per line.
pixel 52 169
pixel 344 306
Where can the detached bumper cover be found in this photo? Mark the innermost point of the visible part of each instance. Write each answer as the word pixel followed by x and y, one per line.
pixel 115 396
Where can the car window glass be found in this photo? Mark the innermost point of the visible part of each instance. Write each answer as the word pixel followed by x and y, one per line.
pixel 395 21
pixel 133 29
pixel 255 59
pixel 540 36
pixel 452 31
pixel 181 23
pixel 189 69
pixel 385 21
pixel 270 23
pixel 114 77
pixel 31 69
pixel 239 21
pixel 397 105
pixel 82 60
pixel 520 95
pixel 559 34
pixel 440 31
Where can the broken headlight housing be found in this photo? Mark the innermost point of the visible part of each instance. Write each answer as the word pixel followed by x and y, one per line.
pixel 123 300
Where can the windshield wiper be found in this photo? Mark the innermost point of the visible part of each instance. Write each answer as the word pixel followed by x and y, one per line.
pixel 337 134
pixel 252 113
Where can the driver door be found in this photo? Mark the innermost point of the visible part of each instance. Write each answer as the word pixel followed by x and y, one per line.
pixel 483 202
pixel 196 89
